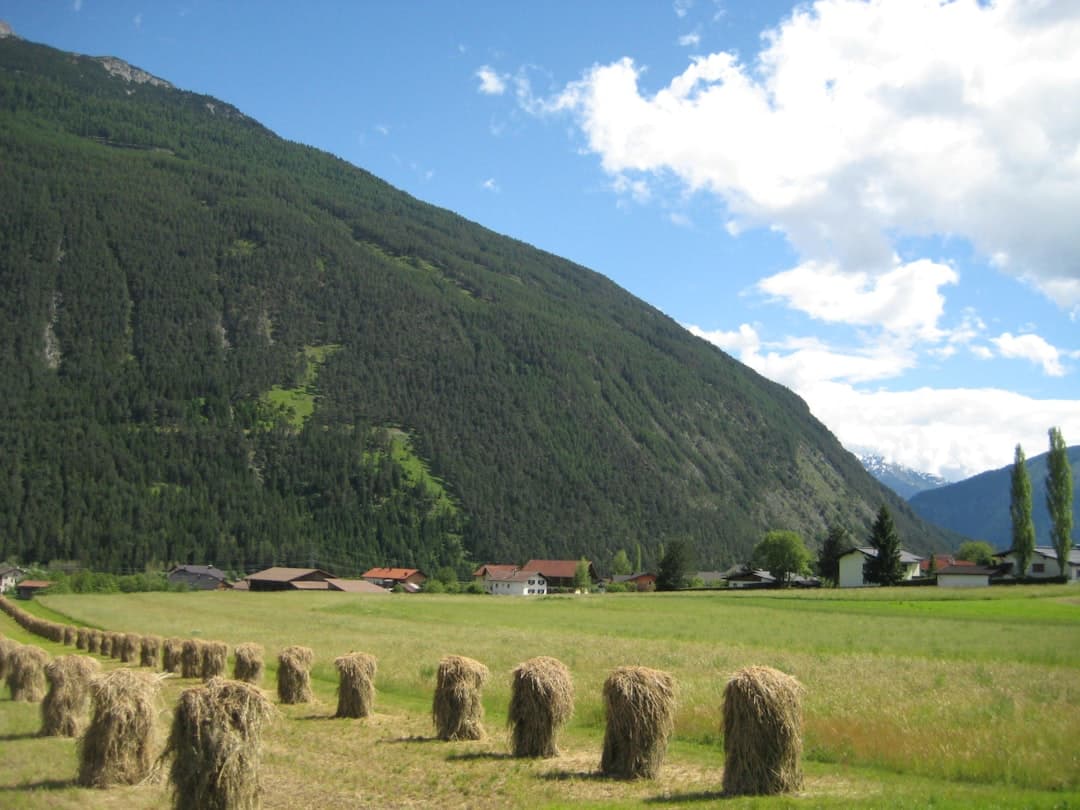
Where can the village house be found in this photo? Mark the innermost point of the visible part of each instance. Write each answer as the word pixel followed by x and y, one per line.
pixel 1044 563
pixel 28 588
pixel 851 566
pixel 493 569
pixel 198 577
pixel 559 573
pixel 410 579
pixel 515 583
pixel 9 575
pixel 641 581
pixel 286 579
pixel 965 576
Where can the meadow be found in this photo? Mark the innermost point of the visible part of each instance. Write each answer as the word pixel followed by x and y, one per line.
pixel 914 697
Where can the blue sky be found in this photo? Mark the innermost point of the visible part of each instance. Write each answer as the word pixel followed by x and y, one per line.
pixel 873 203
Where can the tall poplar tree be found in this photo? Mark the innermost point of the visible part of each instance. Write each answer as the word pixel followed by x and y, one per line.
pixel 1023 529
pixel 885 567
pixel 1059 496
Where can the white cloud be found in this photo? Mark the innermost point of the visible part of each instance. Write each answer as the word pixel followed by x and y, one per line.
pixel 1031 347
pixel 691 40
pixel 491 83
pixel 682 7
pixel 864 121
pixel 951 432
pixel 491 185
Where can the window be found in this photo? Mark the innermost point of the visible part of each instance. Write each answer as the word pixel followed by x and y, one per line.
pixel 1038 568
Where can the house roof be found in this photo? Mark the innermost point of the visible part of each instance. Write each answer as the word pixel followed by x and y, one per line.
pixel 34 584
pixel 492 569
pixel 1048 552
pixel 202 570
pixel 515 576
pixel 279 574
pixel 391 573
pixel 10 569
pixel 633 577
pixel 755 575
pixel 906 557
pixel 355 586
pixel 968 569
pixel 556 569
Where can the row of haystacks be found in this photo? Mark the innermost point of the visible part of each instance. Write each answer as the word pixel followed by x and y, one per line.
pixel 762 713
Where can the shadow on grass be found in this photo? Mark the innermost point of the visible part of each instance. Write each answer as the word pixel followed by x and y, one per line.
pixel 44 784
pixel 562 776
pixel 28 735
pixel 479 755
pixel 680 798
pixel 410 739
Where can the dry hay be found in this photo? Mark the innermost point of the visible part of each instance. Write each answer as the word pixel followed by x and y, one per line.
pixel 130 644
pixel 356 684
pixel 105 644
pixel 215 655
pixel 640 707
pixel 191 658
pixel 294 675
pixel 541 701
pixel 71 634
pixel 248 663
pixel 456 708
pixel 214 745
pixel 93 641
pixel 82 638
pixel 150 651
pixel 64 708
pixel 26 673
pixel 172 654
pixel 7 647
pixel 118 746
pixel 762 733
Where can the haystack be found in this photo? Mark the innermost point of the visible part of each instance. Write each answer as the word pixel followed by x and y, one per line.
pixel 150 651
pixel 130 645
pixel 63 711
pixel 356 684
pixel 456 708
pixel 105 642
pixel 191 658
pixel 762 733
pixel 248 663
pixel 82 638
pixel 640 707
pixel 93 641
pixel 541 701
pixel 214 745
pixel 215 656
pixel 26 673
pixel 118 746
pixel 172 654
pixel 294 675
pixel 7 647
pixel 71 634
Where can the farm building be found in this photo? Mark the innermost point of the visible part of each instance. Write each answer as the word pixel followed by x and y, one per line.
pixel 285 579
pixel 746 576
pixel 851 566
pixel 198 577
pixel 559 573
pixel 641 581
pixel 9 575
pixel 965 576
pixel 491 569
pixel 515 583
pixel 408 578
pixel 29 587
pixel 1044 563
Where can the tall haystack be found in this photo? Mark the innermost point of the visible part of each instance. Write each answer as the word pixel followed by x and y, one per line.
pixel 71 634
pixel 26 673
pixel 82 638
pixel 214 744
pixel 150 651
pixel 456 707
pixel 7 648
pixel 215 656
pixel 356 684
pixel 762 733
pixel 119 745
pixel 541 701
pixel 93 641
pixel 63 711
pixel 130 645
pixel 640 707
pixel 294 675
pixel 172 655
pixel 105 644
pixel 248 663
pixel 191 658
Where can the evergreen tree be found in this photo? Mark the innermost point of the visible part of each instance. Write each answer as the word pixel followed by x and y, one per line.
pixel 1023 529
pixel 837 543
pixel 1059 495
pixel 620 563
pixel 582 580
pixel 884 568
pixel 674 567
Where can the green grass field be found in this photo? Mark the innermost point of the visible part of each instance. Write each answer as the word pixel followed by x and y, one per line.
pixel 914 698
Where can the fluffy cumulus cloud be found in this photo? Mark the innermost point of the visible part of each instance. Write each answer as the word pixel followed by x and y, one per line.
pixel 1031 347
pixel 491 82
pixel 861 121
pixel 955 433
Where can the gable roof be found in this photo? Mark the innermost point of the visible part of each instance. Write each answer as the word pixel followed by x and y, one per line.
pixel 10 569
pixel 968 570
pixel 311 584
pixel 633 577
pixel 280 574
pixel 391 573
pixel 34 584
pixel 199 570
pixel 1047 552
pixel 493 569
pixel 906 557
pixel 355 586
pixel 557 569
pixel 515 576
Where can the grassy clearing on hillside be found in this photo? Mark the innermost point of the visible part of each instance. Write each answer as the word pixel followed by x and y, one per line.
pixel 910 700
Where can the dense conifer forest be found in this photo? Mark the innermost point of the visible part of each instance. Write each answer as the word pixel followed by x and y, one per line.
pixel 219 346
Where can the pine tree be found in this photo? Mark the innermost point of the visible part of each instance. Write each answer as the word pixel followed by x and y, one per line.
pixel 837 543
pixel 1059 495
pixel 884 568
pixel 1023 529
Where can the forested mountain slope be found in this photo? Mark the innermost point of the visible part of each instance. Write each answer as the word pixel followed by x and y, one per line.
pixel 979 506
pixel 219 346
